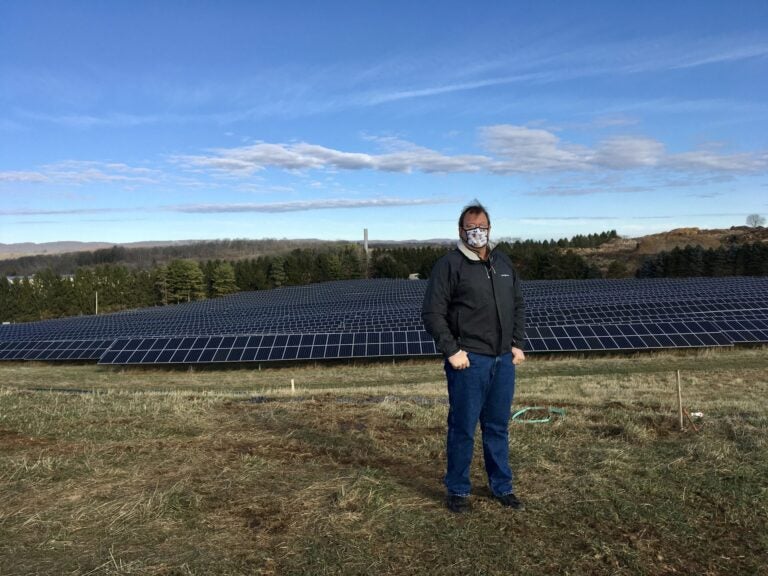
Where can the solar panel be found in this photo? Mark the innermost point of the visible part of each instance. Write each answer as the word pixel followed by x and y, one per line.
pixel 382 318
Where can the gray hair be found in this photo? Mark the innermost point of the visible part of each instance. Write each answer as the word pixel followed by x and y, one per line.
pixel 473 207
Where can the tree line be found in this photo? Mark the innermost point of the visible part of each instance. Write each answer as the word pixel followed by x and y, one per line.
pixel 49 294
pixel 228 249
pixel 113 287
pixel 735 260
pixel 150 257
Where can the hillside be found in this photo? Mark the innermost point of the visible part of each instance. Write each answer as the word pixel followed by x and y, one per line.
pixel 631 251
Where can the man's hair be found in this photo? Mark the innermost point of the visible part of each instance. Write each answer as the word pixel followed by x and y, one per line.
pixel 473 207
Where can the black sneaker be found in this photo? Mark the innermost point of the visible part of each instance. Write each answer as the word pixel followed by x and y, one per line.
pixel 457 504
pixel 511 501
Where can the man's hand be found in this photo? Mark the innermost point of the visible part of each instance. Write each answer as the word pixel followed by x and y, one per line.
pixel 459 361
pixel 518 356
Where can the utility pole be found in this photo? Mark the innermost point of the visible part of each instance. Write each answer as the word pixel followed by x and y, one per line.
pixel 97 302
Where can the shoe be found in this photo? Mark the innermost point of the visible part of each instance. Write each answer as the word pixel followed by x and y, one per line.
pixel 510 501
pixel 458 504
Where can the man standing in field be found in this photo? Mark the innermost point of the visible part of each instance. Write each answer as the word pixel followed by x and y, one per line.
pixel 474 309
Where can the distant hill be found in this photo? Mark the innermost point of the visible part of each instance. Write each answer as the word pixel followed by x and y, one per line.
pixel 12 251
pixel 9 251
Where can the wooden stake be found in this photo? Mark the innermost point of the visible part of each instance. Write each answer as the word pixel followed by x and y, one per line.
pixel 293 387
pixel 680 401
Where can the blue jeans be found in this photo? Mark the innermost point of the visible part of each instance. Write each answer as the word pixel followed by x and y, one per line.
pixel 483 392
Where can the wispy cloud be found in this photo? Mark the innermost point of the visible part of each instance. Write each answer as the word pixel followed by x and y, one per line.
pixel 68 212
pixel 383 97
pixel 534 219
pixel 548 64
pixel 84 172
pixel 588 190
pixel 81 172
pixel 109 119
pixel 544 219
pixel 711 160
pixel 305 205
pixel 708 52
pixel 22 176
pixel 298 91
pixel 222 208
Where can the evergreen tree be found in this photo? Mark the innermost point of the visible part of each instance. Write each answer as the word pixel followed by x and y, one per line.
pixel 277 275
pixel 353 262
pixel 207 268
pixel 8 310
pixel 223 280
pixel 329 265
pixel 185 281
pixel 115 287
pixel 54 295
pixel 143 288
pixel 385 266
pixel 299 266
pixel 85 288
pixel 252 274
pixel 617 269
pixel 26 298
pixel 160 285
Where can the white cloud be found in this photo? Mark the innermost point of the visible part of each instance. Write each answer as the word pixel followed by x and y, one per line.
pixel 249 159
pixel 530 150
pixel 627 152
pixel 511 149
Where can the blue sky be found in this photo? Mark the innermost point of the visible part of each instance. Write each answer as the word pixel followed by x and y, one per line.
pixel 168 120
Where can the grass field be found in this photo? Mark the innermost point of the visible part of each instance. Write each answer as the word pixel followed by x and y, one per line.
pixel 227 472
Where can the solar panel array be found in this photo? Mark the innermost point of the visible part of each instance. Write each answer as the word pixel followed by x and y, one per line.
pixel 382 318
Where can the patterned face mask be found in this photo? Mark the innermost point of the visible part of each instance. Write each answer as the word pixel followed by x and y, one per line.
pixel 477 237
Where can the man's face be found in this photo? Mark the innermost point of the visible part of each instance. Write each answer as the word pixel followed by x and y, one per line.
pixel 472 221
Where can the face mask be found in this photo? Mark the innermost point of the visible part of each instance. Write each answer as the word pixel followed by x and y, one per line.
pixel 476 237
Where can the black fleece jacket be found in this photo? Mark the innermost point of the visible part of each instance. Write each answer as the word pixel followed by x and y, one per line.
pixel 474 305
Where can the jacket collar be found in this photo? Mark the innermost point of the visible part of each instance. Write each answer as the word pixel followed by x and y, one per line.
pixel 473 255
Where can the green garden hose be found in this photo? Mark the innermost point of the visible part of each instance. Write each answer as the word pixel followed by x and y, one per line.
pixel 552 411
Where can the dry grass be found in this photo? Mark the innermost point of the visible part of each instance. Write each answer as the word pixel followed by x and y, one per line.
pixel 227 472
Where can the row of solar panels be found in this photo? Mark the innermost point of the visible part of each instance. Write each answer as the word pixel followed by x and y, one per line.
pixel 189 320
pixel 382 318
pixel 271 347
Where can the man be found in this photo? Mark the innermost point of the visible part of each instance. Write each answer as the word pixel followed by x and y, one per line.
pixel 474 309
